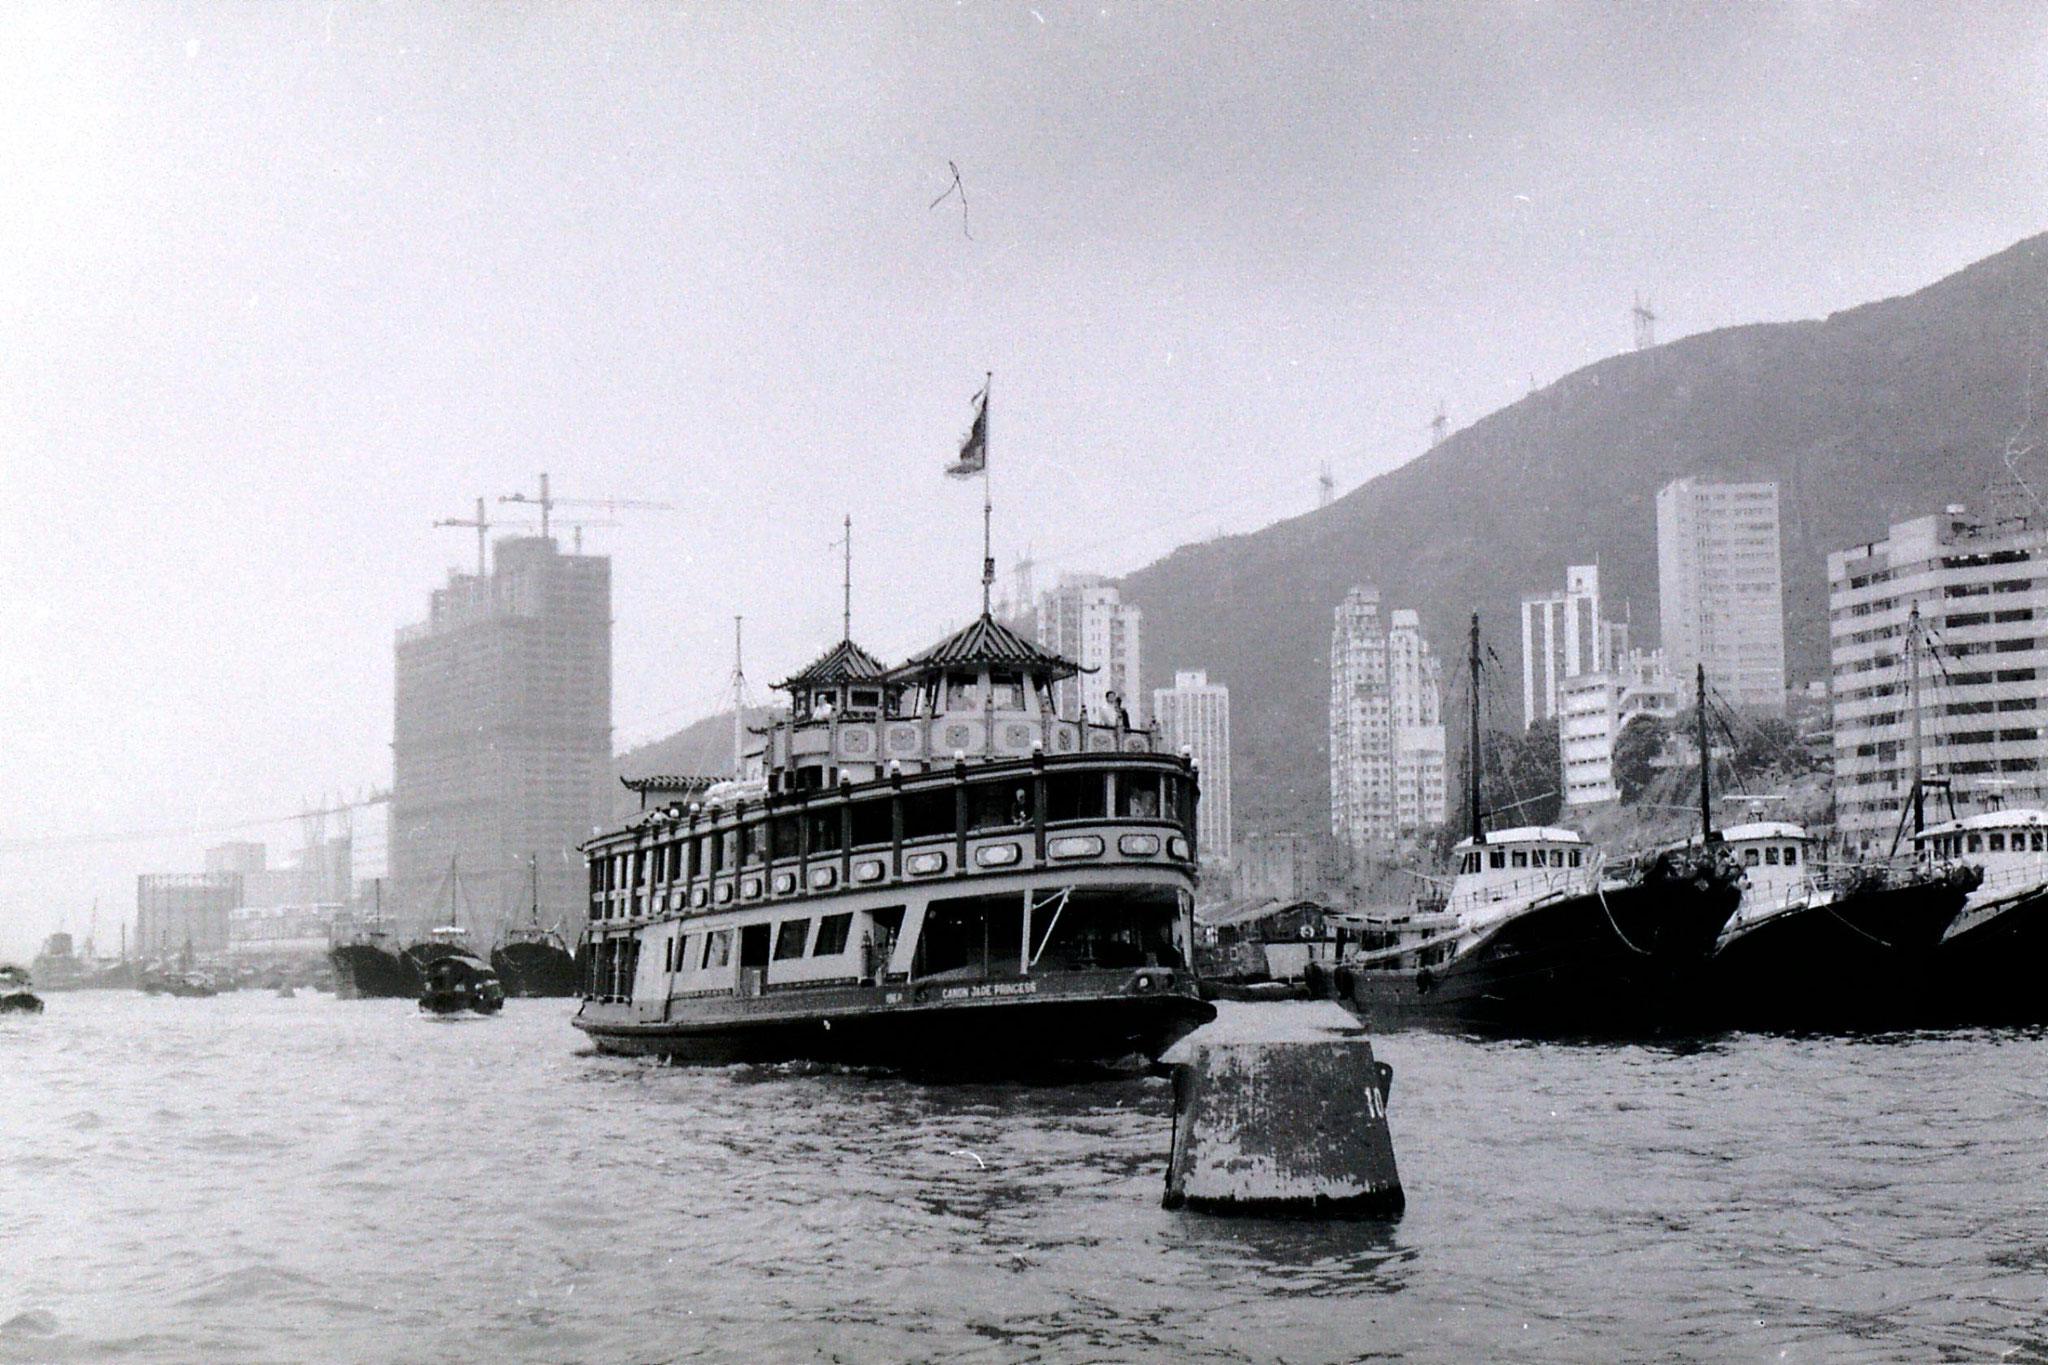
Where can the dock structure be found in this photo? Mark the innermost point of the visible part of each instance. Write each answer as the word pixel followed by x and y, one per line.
pixel 1280 1111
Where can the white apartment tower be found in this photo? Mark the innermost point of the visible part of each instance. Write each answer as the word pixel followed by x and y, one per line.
pixel 1195 713
pixel 1415 704
pixel 1982 599
pixel 1386 731
pixel 1085 619
pixel 1563 635
pixel 1721 588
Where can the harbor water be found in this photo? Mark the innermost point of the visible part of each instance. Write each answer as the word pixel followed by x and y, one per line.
pixel 248 1178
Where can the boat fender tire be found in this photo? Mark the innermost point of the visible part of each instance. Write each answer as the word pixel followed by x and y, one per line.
pixel 1315 979
pixel 1346 982
pixel 1425 981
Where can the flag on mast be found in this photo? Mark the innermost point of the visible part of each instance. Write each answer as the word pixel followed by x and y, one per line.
pixel 974 450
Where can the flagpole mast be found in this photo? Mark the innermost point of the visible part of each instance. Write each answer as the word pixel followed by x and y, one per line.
pixel 988 557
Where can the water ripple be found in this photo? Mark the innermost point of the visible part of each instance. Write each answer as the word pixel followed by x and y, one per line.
pixel 249 1179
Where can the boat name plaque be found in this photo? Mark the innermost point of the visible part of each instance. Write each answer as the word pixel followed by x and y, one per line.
pixel 989 991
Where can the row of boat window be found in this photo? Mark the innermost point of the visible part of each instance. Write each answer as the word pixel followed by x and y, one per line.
pixel 684 954
pixel 1523 857
pixel 989 806
pixel 1771 855
pixel 1996 841
pixel 1073 928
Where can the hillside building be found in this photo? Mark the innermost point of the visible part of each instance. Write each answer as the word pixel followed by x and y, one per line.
pixel 1981 590
pixel 1720 585
pixel 1386 732
pixel 1195 714
pixel 1564 635
pixel 1594 708
pixel 1085 619
pixel 501 744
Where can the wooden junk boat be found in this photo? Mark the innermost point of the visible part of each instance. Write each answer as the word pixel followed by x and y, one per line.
pixel 933 870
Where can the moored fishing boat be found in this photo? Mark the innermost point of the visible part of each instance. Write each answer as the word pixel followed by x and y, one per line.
pixel 932 869
pixel 1993 958
pixel 1828 948
pixel 1538 934
pixel 366 965
pixel 532 961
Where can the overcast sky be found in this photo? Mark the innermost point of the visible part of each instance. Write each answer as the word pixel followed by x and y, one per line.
pixel 281 284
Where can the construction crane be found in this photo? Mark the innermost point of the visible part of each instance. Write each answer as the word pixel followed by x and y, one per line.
pixel 548 503
pixel 483 525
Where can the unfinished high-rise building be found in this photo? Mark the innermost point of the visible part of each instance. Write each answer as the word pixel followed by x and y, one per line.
pixel 501 747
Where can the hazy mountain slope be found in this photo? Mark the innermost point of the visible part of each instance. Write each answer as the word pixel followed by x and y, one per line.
pixel 703 747
pixel 1881 412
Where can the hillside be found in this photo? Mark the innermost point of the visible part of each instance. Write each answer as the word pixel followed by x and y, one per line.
pixel 702 747
pixel 1879 413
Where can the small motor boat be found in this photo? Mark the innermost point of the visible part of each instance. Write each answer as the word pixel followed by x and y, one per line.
pixel 15 995
pixel 459 981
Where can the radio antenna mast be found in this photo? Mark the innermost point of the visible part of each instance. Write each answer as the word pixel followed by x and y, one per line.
pixel 739 701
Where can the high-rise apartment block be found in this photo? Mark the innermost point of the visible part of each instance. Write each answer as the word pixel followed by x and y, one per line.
pixel 1982 598
pixel 1386 731
pixel 1564 635
pixel 1195 713
pixel 1721 588
pixel 1415 709
pixel 1086 620
pixel 501 748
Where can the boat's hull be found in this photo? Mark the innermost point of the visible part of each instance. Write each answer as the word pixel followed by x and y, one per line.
pixel 535 969
pixel 982 1027
pixel 461 1000
pixel 1598 962
pixel 1861 962
pixel 1992 966
pixel 363 971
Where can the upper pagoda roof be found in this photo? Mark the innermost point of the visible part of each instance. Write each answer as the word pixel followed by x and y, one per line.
pixel 844 662
pixel 987 641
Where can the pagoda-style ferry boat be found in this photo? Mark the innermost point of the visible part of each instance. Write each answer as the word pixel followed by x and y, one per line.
pixel 933 869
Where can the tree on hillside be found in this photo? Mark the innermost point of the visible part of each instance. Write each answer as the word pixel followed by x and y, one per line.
pixel 1771 742
pixel 1524 776
pixel 1635 751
